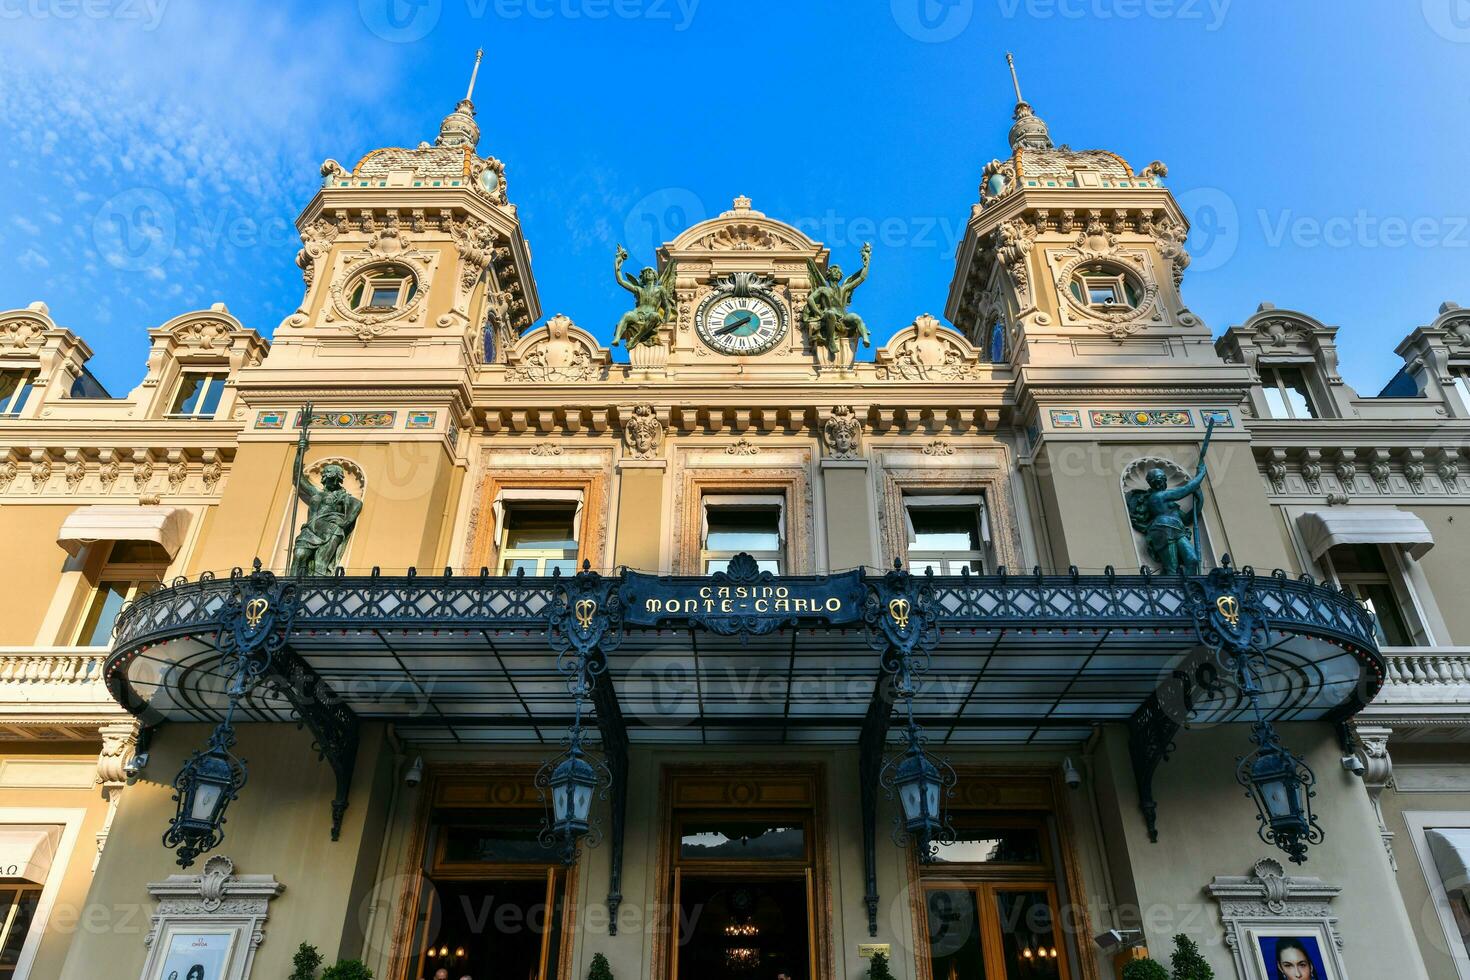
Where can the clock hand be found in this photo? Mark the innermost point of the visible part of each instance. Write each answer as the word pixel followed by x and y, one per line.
pixel 727 328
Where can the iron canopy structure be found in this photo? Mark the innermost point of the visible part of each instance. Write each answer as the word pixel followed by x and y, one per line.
pixel 743 657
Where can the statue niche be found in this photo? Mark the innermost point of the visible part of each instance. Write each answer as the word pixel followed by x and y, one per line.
pixel 331 516
pixel 1167 535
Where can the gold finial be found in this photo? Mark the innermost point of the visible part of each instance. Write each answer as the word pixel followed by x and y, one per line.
pixel 1011 60
pixel 474 74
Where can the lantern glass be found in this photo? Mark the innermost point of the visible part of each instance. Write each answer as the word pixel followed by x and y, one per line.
pixel 909 795
pixel 206 802
pixel 559 803
pixel 1276 785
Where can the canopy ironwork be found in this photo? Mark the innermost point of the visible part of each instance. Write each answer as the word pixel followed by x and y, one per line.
pixel 745 657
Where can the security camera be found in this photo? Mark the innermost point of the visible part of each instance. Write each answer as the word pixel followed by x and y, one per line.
pixel 1117 940
pixel 1070 774
pixel 135 766
pixel 1354 765
pixel 415 773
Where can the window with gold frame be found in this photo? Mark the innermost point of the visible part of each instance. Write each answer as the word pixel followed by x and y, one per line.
pixel 491 900
pixel 991 906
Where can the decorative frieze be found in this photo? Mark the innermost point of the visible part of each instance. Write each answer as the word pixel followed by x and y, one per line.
pixel 110 473
pixel 1348 472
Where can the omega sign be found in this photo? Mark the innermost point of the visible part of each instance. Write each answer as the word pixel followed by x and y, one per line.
pixel 728 603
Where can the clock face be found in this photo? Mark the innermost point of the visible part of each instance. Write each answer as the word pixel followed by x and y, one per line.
pixel 740 325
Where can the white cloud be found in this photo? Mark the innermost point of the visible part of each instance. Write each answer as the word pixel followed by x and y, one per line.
pixel 25 225
pixel 32 260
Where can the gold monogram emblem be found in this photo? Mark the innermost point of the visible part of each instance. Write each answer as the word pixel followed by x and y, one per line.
pixel 1229 607
pixel 585 609
pixel 899 610
pixel 255 610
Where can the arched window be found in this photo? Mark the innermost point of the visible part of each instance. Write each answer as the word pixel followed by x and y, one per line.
pixel 998 342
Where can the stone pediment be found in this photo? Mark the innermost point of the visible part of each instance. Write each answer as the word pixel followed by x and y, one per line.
pixel 742 229
pixel 927 350
pixel 560 351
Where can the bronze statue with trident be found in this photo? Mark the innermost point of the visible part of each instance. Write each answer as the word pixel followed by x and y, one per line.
pixel 1170 533
pixel 331 512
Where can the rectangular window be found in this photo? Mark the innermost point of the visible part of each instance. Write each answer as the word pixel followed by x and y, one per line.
pixel 753 524
pixel 1361 569
pixel 133 569
pixel 198 394
pixel 15 388
pixel 1285 390
pixel 538 538
pixel 17 910
pixel 948 534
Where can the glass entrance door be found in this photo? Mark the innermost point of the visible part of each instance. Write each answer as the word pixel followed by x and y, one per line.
pixel 743 894
pixel 994 932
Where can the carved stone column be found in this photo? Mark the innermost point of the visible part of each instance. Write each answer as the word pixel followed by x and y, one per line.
pixel 1377 777
pixel 119 740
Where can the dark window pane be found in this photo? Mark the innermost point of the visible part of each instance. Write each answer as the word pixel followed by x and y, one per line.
pixel 945 528
pixel 540 527
pixel 23 902
pixel 1027 935
pixel 979 844
pixel 509 836
pixel 742 840
pixel 1380 600
pixel 384 297
pixel 106 603
pixel 187 399
pixel 212 395
pixel 1353 559
pixel 743 529
pixel 136 552
pixel 954 935
pixel 15 388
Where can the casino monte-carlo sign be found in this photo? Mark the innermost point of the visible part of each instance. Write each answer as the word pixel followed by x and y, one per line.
pixel 742 603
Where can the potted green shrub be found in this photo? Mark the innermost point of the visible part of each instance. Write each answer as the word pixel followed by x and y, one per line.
pixel 1187 962
pixel 305 963
pixel 1145 969
pixel 599 969
pixel 347 970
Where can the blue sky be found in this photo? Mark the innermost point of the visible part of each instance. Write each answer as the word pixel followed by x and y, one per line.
pixel 156 152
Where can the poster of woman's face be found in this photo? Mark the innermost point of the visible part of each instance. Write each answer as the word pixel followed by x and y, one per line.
pixel 197 956
pixel 1293 958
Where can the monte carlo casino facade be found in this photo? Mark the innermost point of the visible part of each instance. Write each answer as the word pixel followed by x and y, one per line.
pixel 439 639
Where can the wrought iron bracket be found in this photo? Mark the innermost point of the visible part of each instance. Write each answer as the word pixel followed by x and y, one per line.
pixel 585 623
pixel 334 727
pixel 870 762
pixel 1151 733
pixel 615 743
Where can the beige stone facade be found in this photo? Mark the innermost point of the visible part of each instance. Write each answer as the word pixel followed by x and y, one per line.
pixel 1002 445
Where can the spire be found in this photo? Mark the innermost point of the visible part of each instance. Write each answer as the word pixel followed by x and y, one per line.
pixel 474 73
pixel 1028 131
pixel 459 127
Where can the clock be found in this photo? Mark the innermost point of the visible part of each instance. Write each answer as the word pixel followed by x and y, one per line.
pixel 740 325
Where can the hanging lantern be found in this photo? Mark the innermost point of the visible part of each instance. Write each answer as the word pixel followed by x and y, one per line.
pixel 921 787
pixel 568 784
pixel 573 782
pixel 1281 786
pixel 204 787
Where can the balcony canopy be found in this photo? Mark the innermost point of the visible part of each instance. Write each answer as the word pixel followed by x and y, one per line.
pixel 163 526
pixel 1016 659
